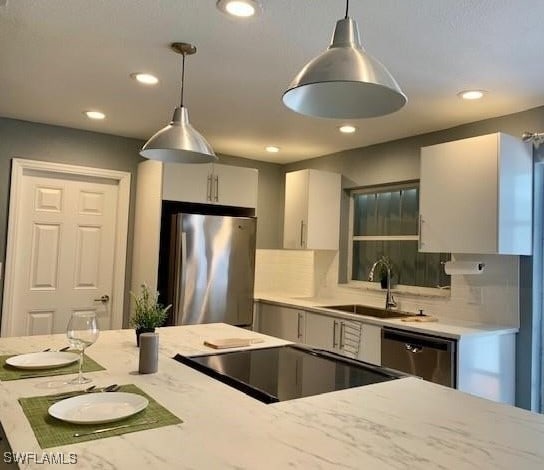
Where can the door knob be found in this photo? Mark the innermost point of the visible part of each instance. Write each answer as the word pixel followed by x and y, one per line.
pixel 104 299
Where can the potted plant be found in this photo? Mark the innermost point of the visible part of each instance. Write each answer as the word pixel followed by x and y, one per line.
pixel 385 266
pixel 148 313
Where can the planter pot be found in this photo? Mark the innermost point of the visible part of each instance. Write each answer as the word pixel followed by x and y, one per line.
pixel 139 331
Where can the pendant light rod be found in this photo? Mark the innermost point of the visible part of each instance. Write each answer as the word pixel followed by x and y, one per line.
pixel 182 80
pixel 347 10
pixel 184 49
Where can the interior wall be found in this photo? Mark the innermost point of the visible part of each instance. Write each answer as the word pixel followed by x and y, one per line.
pixel 270 199
pixel 23 139
pixel 399 160
pixel 35 141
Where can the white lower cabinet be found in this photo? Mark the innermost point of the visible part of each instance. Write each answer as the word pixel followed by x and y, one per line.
pixel 371 347
pixel 346 337
pixel 485 364
pixel 281 322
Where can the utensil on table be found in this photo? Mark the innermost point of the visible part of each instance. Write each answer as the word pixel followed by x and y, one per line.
pixel 82 331
pixel 91 389
pixel 115 428
pixel 59 350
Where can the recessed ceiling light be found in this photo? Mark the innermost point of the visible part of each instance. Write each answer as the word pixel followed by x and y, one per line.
pixel 239 8
pixel 272 149
pixel 94 115
pixel 145 78
pixel 347 129
pixel 471 94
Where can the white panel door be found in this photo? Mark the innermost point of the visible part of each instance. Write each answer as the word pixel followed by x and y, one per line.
pixel 64 251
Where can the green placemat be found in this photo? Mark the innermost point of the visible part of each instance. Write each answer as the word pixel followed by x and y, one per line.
pixel 11 373
pixel 51 432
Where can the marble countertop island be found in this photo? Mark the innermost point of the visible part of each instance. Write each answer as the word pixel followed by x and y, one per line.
pixel 405 423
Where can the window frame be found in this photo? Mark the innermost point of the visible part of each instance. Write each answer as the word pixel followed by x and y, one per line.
pixel 444 291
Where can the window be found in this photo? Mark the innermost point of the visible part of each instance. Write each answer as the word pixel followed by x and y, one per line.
pixel 384 222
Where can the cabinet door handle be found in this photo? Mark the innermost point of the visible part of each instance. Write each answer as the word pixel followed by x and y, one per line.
pixel 302 233
pixel 209 188
pixel 216 188
pixel 299 322
pixel 334 334
pixel 342 335
pixel 420 223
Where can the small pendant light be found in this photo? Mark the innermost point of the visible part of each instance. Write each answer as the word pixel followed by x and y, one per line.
pixel 179 141
pixel 344 82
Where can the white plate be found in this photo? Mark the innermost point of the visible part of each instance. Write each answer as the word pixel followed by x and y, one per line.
pixel 97 408
pixel 42 360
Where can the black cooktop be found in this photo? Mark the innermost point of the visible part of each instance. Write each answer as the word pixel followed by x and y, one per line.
pixel 287 372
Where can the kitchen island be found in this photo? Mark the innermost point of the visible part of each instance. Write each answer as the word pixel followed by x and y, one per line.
pixel 405 423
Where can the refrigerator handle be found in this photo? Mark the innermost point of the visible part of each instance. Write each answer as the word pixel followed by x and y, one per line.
pixel 183 262
pixel 181 258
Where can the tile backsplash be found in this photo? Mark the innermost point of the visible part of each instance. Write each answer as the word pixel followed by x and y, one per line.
pixel 490 298
pixel 287 271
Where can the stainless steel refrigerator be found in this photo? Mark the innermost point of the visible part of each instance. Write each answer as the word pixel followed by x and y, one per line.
pixel 211 269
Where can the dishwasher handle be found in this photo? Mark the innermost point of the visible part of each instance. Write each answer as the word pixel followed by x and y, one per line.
pixel 416 343
pixel 413 348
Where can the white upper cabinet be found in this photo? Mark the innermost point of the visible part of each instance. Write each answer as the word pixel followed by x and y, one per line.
pixel 312 210
pixel 234 186
pixel 476 196
pixel 210 184
pixel 188 182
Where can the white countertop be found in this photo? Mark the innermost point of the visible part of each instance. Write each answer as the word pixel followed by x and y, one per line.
pixel 406 423
pixel 445 327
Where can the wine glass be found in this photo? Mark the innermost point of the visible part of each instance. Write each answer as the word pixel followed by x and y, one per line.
pixel 82 331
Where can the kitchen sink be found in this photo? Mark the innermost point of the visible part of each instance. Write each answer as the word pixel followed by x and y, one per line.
pixel 367 311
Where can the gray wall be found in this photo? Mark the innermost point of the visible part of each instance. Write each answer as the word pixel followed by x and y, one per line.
pixel 44 142
pixel 34 141
pixel 398 161
pixel 383 163
pixel 270 202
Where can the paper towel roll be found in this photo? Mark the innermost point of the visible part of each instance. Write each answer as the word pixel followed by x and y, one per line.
pixel 463 267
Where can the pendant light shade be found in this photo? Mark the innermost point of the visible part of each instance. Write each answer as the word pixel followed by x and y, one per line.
pixel 344 82
pixel 179 142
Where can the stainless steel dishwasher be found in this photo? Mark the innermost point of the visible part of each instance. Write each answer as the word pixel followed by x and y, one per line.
pixel 428 357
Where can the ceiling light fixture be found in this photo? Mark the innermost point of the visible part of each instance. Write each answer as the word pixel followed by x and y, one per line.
pixel 272 149
pixel 179 141
pixel 145 78
pixel 471 94
pixel 347 129
pixel 239 8
pixel 96 115
pixel 344 82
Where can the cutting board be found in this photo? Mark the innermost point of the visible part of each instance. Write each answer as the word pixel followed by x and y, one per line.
pixel 420 318
pixel 225 343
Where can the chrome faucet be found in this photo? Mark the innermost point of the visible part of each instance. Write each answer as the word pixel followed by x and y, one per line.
pixel 389 300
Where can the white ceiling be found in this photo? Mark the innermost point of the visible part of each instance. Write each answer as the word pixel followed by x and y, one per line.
pixel 60 57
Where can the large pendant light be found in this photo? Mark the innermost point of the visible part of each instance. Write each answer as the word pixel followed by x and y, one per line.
pixel 344 82
pixel 179 141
